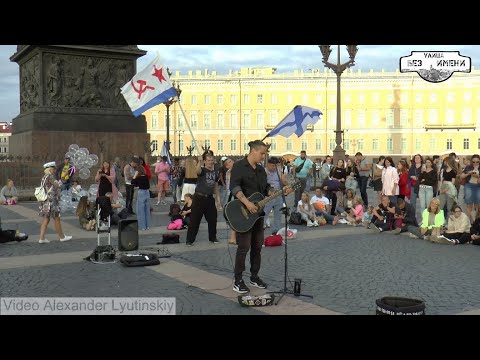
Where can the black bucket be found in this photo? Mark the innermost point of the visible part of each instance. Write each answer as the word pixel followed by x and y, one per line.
pixel 399 306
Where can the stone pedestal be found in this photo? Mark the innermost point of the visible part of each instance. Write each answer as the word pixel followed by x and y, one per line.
pixel 70 94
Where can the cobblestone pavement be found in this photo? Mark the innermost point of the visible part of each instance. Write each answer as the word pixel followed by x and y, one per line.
pixel 344 268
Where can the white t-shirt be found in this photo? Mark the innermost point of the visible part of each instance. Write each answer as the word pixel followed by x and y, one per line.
pixel 323 199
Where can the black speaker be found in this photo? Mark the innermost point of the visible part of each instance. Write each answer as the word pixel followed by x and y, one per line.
pixel 128 235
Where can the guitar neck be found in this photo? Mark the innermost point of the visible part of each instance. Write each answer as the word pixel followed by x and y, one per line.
pixel 264 202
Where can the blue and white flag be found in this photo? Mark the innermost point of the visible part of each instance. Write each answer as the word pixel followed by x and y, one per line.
pixel 148 88
pixel 296 121
pixel 164 152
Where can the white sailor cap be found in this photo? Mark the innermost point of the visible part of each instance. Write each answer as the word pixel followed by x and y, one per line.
pixel 49 164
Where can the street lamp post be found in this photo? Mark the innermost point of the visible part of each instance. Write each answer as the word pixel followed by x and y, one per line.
pixel 179 133
pixel 167 104
pixel 338 69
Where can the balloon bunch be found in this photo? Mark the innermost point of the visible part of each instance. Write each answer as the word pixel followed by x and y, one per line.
pixel 82 160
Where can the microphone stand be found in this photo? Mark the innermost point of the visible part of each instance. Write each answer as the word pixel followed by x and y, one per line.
pixel 285 290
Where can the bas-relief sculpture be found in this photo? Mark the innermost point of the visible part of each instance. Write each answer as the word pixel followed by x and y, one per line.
pixel 85 82
pixel 29 84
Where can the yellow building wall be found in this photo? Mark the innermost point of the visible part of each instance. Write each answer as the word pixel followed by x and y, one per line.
pixel 383 113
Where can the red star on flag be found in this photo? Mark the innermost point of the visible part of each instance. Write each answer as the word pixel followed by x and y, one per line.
pixel 158 73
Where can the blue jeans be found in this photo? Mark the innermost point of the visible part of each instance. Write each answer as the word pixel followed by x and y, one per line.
pixel 362 184
pixel 143 209
pixel 276 205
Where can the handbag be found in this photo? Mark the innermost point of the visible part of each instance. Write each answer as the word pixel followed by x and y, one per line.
pixel 295 218
pixel 40 193
pixel 300 167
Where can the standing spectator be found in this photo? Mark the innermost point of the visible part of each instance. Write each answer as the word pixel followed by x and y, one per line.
pixel 105 178
pixel 221 180
pixel 326 168
pixel 189 176
pixel 427 181
pixel 390 180
pixel 175 174
pixel 339 174
pixel 51 207
pixel 448 191
pixel 148 172
pixel 118 172
pixel 414 173
pixel 377 171
pixel 276 181
pixel 140 179
pixel 162 169
pixel 203 201
pixel 129 172
pixel 64 173
pixel 472 186
pixel 364 167
pixel 351 171
pixel 302 168
pixel 404 190
pixel 9 194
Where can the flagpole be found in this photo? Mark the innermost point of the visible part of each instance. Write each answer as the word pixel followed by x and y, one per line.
pixel 189 129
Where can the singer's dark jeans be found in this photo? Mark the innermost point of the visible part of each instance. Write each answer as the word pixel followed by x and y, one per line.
pixel 253 241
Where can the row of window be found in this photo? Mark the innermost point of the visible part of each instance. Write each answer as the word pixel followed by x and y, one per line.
pixel 354 145
pixel 361 116
pixel 394 96
pixel 3 150
pixel 3 139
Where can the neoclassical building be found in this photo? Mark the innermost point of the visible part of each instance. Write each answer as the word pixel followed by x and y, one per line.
pixel 382 112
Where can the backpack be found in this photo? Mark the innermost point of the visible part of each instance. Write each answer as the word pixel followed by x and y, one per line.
pixel 40 193
pixel 295 218
pixel 169 239
pixel 273 240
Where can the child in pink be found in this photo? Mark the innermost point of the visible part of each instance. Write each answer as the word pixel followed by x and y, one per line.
pixel 356 212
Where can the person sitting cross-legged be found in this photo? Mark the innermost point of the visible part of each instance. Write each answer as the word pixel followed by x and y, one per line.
pixel 432 221
pixel 322 207
pixel 404 216
pixel 383 215
pixel 458 228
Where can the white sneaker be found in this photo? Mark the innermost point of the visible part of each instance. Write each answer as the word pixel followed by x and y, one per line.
pixel 315 223
pixel 66 238
pixel 44 241
pixel 310 223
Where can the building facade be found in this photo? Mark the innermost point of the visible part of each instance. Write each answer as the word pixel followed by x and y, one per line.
pixel 383 113
pixel 5 133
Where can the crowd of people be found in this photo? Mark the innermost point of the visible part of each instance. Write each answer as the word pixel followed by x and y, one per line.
pixel 436 183
pixel 200 188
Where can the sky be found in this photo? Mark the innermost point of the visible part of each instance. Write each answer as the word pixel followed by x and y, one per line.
pixel 222 58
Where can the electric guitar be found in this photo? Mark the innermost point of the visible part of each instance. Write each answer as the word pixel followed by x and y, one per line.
pixel 240 218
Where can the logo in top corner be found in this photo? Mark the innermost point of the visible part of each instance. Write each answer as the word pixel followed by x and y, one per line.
pixel 435 66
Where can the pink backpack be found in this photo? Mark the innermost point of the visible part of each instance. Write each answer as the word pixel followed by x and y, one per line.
pixel 175 225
